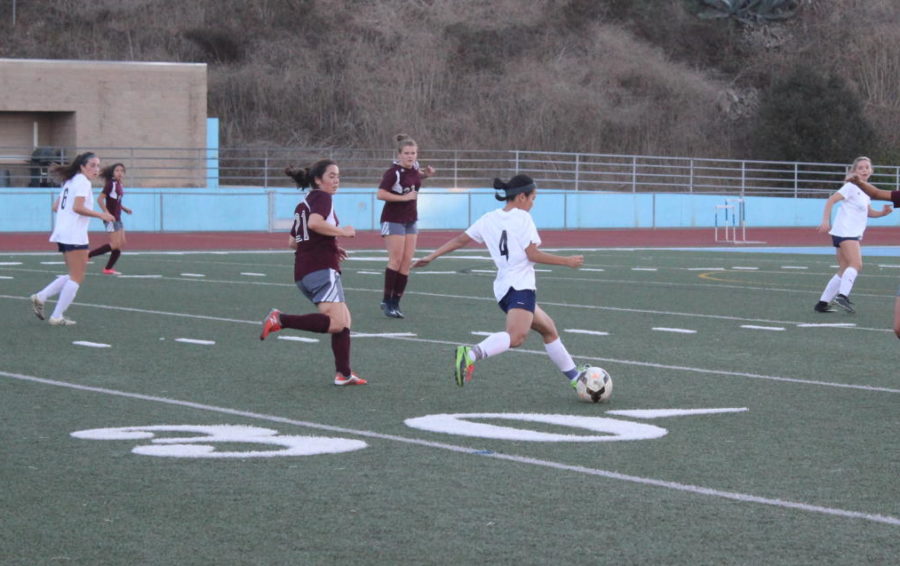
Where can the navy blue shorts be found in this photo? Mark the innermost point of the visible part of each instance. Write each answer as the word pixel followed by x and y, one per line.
pixel 836 240
pixel 515 299
pixel 71 247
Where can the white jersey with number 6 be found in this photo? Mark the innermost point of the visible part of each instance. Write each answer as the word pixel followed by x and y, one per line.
pixel 507 234
pixel 71 227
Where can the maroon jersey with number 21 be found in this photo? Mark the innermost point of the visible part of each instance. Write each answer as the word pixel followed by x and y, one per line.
pixel 314 251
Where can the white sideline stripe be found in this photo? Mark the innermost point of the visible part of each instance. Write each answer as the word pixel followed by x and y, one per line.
pixel 827 325
pixel 644 269
pixel 380 334
pixel 299 339
pixel 196 341
pixel 435 272
pixel 483 271
pixel 251 274
pixel 755 327
pixel 53 263
pixel 745 268
pixel 6 277
pixel 591 269
pixel 540 352
pixel 193 275
pixel 140 276
pixel 371 272
pixel 794 267
pixel 90 344
pixel 706 269
pixel 677 330
pixel 884 265
pixel 10 263
pixel 591 332
pixel 687 488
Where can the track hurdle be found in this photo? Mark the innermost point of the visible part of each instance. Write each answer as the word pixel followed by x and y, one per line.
pixel 733 216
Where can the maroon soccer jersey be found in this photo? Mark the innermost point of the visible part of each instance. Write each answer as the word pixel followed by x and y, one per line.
pixel 895 198
pixel 314 251
pixel 112 190
pixel 399 180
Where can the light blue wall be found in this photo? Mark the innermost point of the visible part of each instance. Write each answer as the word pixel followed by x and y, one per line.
pixel 249 208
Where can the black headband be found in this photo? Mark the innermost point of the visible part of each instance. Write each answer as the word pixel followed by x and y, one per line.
pixel 513 191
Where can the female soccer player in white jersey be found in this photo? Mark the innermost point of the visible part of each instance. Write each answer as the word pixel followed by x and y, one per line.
pixel 512 238
pixel 74 210
pixel 846 233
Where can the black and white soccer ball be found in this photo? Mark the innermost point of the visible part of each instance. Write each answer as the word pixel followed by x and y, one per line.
pixel 594 385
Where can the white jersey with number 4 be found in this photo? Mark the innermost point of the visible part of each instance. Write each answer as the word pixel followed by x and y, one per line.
pixel 71 227
pixel 507 234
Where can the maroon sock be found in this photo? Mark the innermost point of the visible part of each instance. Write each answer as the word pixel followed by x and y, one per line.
pixel 100 251
pixel 340 345
pixel 400 286
pixel 113 258
pixel 390 280
pixel 315 322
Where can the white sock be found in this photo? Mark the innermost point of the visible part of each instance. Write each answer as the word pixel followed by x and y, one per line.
pixel 560 356
pixel 831 290
pixel 65 298
pixel 494 344
pixel 847 280
pixel 53 288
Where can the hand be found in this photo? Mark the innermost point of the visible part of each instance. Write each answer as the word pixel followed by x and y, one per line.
pixel 852 178
pixel 128 210
pixel 349 232
pixel 429 171
pixel 575 261
pixel 411 195
pixel 107 217
pixel 887 209
pixel 421 262
pixel 342 254
pixel 824 227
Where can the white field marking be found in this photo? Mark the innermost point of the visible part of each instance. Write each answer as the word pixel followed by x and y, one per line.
pixel 480 333
pixel 370 272
pixel 591 332
pixel 591 269
pixel 193 275
pixel 794 267
pixel 543 270
pixel 755 327
pixel 676 330
pixel 252 274
pixel 435 272
pixel 483 271
pixel 686 488
pixel 705 268
pixel 883 265
pixel 53 263
pixel 298 339
pixel 90 344
pixel 826 325
pixel 746 268
pixel 380 334
pixel 363 258
pixel 140 276
pixel 10 263
pixel 644 269
pixel 196 341
pixel 6 277
pixel 661 413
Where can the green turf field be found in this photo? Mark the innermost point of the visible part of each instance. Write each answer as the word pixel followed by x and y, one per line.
pixel 782 447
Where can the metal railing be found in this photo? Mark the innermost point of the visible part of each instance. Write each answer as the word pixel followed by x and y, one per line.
pixel 264 167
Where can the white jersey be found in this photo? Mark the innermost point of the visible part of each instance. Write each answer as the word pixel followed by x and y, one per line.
pixel 853 214
pixel 71 227
pixel 507 234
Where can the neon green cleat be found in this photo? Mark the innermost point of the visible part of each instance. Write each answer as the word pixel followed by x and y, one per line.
pixel 463 367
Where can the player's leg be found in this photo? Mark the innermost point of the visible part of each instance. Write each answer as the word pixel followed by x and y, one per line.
pixel 409 249
pixel 897 314
pixel 116 242
pixel 76 262
pixel 850 260
pixel 545 326
pixel 395 243
pixel 339 315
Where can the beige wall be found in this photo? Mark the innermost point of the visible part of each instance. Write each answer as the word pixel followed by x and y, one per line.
pixel 120 106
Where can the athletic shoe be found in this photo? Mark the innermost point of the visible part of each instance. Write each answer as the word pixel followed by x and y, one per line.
pixel 843 302
pixel 272 323
pixel 581 369
pixel 354 379
pixel 822 306
pixel 396 312
pixel 37 306
pixel 110 272
pixel 61 321
pixel 463 368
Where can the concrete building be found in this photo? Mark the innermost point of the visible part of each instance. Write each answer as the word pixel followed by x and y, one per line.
pixel 150 116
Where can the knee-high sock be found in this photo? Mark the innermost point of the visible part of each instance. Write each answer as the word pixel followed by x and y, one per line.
pixel 390 280
pixel 314 322
pixel 399 286
pixel 494 344
pixel 560 356
pixel 113 258
pixel 340 346
pixel 66 296
pixel 53 288
pixel 847 280
pixel 100 251
pixel 831 289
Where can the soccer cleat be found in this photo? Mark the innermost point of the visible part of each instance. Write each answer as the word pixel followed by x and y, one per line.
pixel 354 379
pixel 843 302
pixel 110 272
pixel 464 367
pixel 61 321
pixel 272 323
pixel 822 306
pixel 37 306
pixel 397 313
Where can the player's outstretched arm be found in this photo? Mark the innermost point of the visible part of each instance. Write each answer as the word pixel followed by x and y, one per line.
pixel 537 256
pixel 454 244
pixel 870 189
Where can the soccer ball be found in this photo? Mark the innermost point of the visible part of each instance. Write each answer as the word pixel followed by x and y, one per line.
pixel 594 385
